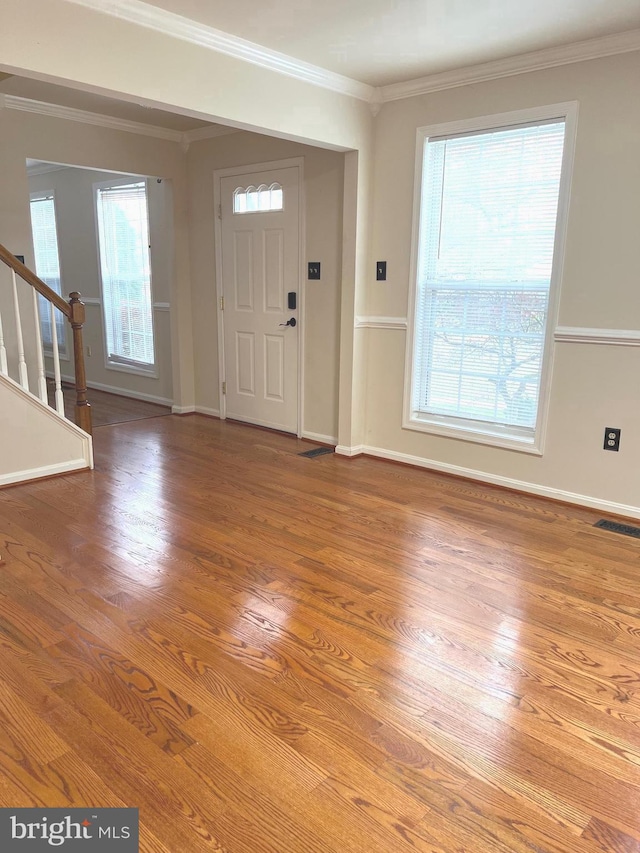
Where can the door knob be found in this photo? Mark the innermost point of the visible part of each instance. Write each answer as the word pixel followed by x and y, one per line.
pixel 290 322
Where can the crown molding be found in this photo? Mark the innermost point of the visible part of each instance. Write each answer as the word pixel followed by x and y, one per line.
pixel 200 133
pixel 11 102
pixel 177 26
pixel 185 138
pixel 538 60
pixel 209 132
pixel 44 169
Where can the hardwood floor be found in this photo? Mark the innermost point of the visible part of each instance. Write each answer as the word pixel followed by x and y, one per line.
pixel 107 408
pixel 265 652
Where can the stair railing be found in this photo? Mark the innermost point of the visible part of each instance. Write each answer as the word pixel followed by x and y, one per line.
pixel 74 311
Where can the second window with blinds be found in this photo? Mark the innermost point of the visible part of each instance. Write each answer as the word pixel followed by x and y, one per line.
pixel 125 270
pixel 44 229
pixel 491 200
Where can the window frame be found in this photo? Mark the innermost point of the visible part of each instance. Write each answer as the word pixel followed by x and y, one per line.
pixel 63 345
pixel 123 366
pixel 497 435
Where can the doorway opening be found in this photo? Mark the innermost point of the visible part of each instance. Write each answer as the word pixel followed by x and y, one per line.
pixel 109 236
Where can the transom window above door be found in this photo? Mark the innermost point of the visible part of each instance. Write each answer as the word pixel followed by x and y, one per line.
pixel 258 199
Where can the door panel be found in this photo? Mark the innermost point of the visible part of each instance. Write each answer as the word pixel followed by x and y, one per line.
pixel 243 270
pixel 246 363
pixel 260 266
pixel 274 367
pixel 274 270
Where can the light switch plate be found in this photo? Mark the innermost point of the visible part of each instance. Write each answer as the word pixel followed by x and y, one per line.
pixel 314 270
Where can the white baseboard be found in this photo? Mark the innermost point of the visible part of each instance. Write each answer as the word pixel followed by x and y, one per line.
pixel 121 392
pixel 357 450
pixel 495 479
pixel 44 471
pixel 135 395
pixel 321 439
pixel 199 410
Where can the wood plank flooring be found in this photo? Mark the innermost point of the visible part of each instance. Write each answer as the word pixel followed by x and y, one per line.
pixel 107 408
pixel 265 652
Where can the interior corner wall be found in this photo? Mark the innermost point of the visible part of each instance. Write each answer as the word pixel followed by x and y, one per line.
pixel 28 135
pixel 323 187
pixel 593 385
pixel 79 264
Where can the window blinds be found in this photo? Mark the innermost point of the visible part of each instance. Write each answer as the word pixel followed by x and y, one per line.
pixel 486 242
pixel 45 245
pixel 123 231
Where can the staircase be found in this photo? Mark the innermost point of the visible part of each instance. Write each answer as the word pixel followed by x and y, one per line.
pixel 36 439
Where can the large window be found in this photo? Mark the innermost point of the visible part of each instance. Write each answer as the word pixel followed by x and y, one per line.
pixel 485 278
pixel 45 246
pixel 123 234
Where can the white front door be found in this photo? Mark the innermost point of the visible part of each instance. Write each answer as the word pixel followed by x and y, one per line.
pixel 260 270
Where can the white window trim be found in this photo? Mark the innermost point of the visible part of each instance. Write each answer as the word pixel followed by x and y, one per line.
pixel 494 434
pixel 63 348
pixel 151 371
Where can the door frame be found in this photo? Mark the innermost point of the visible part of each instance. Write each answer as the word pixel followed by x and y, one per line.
pixel 231 171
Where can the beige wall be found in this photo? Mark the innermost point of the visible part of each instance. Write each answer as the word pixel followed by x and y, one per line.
pixel 27 135
pixel 79 264
pixel 323 187
pixel 592 386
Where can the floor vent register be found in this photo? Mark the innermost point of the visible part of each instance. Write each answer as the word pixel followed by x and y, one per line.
pixel 616 527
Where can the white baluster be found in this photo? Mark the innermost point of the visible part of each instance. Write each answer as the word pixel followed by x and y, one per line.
pixel 42 379
pixel 22 364
pixel 3 352
pixel 59 397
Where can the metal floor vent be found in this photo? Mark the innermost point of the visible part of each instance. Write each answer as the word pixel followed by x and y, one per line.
pixel 615 527
pixel 320 451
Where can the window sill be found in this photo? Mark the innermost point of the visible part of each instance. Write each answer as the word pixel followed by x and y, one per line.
pixel 150 372
pixel 524 442
pixel 63 355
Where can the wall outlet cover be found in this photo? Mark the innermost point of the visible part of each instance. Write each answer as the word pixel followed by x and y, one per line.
pixel 612 438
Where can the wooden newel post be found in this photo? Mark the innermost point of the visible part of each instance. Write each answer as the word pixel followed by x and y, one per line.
pixel 77 318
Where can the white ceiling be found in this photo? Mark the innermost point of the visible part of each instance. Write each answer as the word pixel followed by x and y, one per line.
pixel 387 41
pixel 375 42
